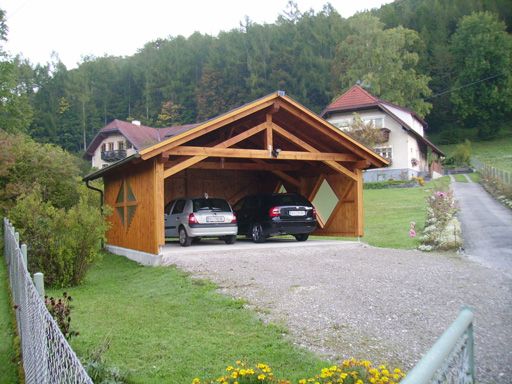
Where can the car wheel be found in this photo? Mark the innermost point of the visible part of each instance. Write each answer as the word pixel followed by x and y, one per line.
pixel 257 233
pixel 301 237
pixel 196 240
pixel 230 239
pixel 185 239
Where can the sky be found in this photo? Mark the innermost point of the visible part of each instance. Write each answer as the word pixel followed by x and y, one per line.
pixel 78 28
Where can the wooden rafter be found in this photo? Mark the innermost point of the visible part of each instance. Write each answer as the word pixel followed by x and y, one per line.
pixel 281 174
pixel 201 156
pixel 301 143
pixel 207 127
pixel 242 166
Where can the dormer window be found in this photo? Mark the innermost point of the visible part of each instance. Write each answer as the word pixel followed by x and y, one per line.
pixel 103 147
pixel 120 145
pixel 110 146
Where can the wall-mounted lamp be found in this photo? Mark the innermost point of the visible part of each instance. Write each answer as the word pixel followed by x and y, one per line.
pixel 275 152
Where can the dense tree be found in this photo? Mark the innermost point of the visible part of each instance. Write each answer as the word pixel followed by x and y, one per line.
pixel 15 86
pixel 482 49
pixel 383 60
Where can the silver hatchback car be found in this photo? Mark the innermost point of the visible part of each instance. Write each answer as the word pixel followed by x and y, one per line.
pixel 190 219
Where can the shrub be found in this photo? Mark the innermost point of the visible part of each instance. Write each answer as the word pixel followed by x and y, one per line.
pixel 349 372
pixel 61 311
pixel 25 164
pixel 97 368
pixel 462 153
pixel 61 243
pixel 442 229
pixel 388 184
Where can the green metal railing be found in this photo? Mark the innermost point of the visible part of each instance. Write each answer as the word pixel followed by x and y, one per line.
pixel 451 358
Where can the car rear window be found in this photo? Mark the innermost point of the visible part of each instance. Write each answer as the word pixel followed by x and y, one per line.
pixel 288 199
pixel 210 205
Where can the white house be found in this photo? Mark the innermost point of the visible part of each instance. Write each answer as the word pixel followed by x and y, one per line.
pixel 120 139
pixel 405 144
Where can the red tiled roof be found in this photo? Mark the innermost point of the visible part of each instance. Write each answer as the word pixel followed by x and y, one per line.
pixel 141 136
pixel 358 98
pixel 354 97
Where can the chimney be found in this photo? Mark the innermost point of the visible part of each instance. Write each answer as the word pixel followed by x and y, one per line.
pixel 136 122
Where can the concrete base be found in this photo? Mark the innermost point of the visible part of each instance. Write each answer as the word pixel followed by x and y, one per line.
pixel 140 257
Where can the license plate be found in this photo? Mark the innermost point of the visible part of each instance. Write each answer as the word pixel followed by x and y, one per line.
pixel 297 213
pixel 214 219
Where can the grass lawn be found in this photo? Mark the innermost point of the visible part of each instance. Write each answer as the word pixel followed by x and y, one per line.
pixel 168 328
pixel 389 212
pixel 8 365
pixel 497 152
pixel 460 178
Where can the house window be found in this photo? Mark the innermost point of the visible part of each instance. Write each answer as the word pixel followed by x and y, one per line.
pixel 378 122
pixel 341 123
pixel 103 147
pixel 128 145
pixel 385 152
pixel 120 145
pixel 110 146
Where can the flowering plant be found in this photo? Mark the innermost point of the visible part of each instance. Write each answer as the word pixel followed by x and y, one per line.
pixel 442 229
pixel 350 371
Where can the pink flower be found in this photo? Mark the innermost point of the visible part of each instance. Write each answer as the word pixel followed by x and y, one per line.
pixel 412 233
pixel 440 194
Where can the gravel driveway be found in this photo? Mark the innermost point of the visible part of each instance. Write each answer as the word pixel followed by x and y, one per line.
pixel 342 300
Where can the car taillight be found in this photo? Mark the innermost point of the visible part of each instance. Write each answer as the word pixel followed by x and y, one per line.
pixel 233 220
pixel 192 219
pixel 314 213
pixel 274 212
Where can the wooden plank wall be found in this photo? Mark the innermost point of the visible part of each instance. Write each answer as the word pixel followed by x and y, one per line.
pixel 347 217
pixel 146 230
pixel 228 184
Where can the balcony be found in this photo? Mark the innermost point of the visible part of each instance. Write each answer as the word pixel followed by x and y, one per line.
pixel 112 156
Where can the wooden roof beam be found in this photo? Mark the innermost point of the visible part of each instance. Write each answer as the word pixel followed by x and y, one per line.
pixel 301 143
pixel 259 154
pixel 201 156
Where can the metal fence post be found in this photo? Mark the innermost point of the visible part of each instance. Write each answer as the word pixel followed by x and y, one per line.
pixel 39 283
pixel 24 254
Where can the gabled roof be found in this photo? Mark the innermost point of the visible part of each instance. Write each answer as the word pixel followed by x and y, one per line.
pixel 357 98
pixel 141 136
pixel 339 140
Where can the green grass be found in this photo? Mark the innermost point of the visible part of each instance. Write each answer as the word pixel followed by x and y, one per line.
pixel 389 212
pixel 167 327
pixel 475 177
pixel 8 358
pixel 460 178
pixel 497 152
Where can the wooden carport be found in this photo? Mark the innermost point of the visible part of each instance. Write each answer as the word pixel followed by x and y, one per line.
pixel 271 144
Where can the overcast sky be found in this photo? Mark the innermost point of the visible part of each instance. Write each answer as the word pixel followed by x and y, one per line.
pixel 77 28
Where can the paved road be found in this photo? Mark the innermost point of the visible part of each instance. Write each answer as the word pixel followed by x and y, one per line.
pixel 486 227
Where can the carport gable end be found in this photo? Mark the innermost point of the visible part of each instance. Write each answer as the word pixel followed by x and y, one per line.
pixel 259 147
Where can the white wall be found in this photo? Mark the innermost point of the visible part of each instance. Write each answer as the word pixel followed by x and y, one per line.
pixel 97 162
pixel 408 118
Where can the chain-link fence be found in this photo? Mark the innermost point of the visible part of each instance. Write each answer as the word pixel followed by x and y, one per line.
pixel 46 354
pixel 490 171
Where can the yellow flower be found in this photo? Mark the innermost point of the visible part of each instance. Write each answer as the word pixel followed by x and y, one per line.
pixel 229 368
pixel 302 381
pixel 196 381
pixel 359 381
pixel 261 377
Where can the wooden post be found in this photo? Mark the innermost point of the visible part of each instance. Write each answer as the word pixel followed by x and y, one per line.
pixel 39 283
pixel 24 255
pixel 359 202
pixel 17 237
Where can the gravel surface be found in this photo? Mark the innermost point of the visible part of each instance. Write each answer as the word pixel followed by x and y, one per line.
pixel 342 300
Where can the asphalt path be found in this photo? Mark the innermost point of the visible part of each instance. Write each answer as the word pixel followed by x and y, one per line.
pixel 486 227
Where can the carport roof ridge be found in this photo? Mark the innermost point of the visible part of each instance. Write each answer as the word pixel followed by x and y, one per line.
pixel 161 147
pixel 233 115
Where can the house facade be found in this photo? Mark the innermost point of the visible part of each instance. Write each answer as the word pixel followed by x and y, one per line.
pixel 120 139
pixel 404 143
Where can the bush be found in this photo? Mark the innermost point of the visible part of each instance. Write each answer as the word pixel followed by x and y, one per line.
pixel 98 370
pixel 25 164
pixel 61 243
pixel 60 309
pixel 462 153
pixel 349 372
pixel 389 184
pixel 442 229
